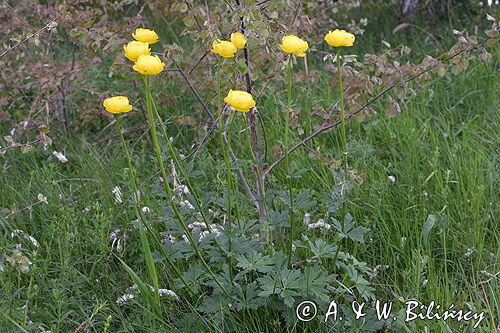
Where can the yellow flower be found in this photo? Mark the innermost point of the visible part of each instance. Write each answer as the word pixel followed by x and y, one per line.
pixel 134 49
pixel 224 48
pixel 294 45
pixel 338 38
pixel 239 40
pixel 240 100
pixel 117 104
pixel 148 65
pixel 145 35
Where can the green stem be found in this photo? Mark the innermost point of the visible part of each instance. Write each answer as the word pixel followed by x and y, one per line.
pixel 287 161
pixel 183 173
pixel 261 187
pixel 227 159
pixel 144 240
pixel 226 152
pixel 342 119
pixel 177 214
pixel 344 147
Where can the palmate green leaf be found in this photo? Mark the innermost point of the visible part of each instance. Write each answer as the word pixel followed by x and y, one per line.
pixel 196 277
pixel 278 219
pixel 254 262
pixel 316 279
pixel 248 227
pixel 284 283
pixel 294 172
pixel 302 200
pixel 248 298
pixel 362 285
pixel 350 230
pixel 321 249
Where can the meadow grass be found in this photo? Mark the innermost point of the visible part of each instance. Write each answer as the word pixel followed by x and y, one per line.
pixel 442 151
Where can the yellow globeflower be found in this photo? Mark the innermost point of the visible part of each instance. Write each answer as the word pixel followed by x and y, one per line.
pixel 134 49
pixel 294 45
pixel 149 65
pixel 117 104
pixel 338 38
pixel 239 40
pixel 240 100
pixel 224 48
pixel 145 35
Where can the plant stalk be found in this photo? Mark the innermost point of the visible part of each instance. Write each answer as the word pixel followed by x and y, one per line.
pixel 287 161
pixel 177 214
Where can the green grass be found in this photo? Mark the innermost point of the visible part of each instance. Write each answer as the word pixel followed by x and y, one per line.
pixel 442 150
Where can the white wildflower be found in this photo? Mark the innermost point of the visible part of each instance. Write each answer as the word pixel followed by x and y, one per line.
pixel 186 204
pixel 197 225
pixel 19 232
pixel 42 198
pixel 118 194
pixel 182 189
pixel 204 234
pixel 60 156
pixel 307 218
pixel 214 213
pixel 168 238
pixel 378 268
pixel 168 292
pixel 124 298
pixel 392 179
pixel 145 209
pixel 320 224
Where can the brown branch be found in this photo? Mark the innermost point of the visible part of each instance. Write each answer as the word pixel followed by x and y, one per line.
pixel 233 156
pixel 370 102
pixel 199 61
pixel 195 92
pixel 258 177
pixel 48 26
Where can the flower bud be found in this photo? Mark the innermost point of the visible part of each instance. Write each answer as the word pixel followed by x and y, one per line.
pixel 294 45
pixel 338 38
pixel 145 35
pixel 117 104
pixel 134 49
pixel 239 40
pixel 224 48
pixel 240 100
pixel 149 65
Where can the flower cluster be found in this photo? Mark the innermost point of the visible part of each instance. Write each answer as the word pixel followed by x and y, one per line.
pixel 227 49
pixel 139 52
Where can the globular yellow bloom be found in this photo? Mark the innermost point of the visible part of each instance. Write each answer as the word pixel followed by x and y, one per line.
pixel 239 40
pixel 149 65
pixel 294 45
pixel 224 48
pixel 117 104
pixel 145 35
pixel 134 49
pixel 338 38
pixel 240 100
